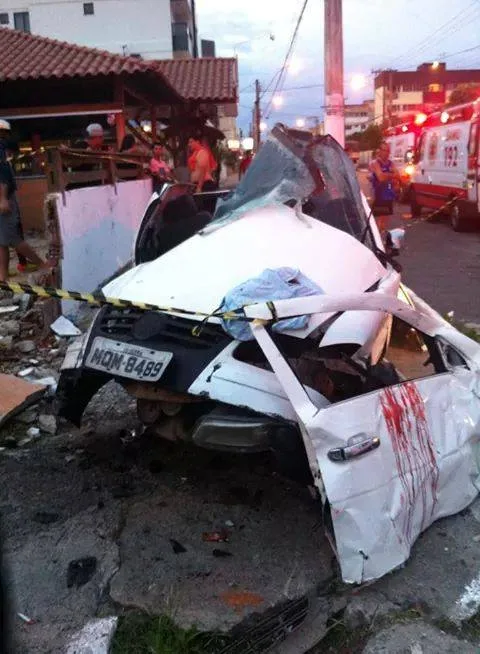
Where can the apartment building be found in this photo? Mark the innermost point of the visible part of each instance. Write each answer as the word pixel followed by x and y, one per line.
pixel 401 93
pixel 151 29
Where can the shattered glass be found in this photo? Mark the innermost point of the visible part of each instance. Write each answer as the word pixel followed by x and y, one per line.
pixel 296 168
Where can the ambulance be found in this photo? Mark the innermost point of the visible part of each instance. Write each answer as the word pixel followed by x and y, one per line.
pixel 447 164
pixel 402 140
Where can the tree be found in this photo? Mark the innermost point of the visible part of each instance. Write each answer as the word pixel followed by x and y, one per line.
pixel 369 139
pixel 464 93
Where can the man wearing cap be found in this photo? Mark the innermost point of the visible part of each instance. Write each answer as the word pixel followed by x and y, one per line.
pixel 11 235
pixel 94 138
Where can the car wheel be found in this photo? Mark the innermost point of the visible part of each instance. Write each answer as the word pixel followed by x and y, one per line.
pixel 457 221
pixel 415 208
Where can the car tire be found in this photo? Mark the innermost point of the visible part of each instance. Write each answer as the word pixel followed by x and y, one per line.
pixel 415 208
pixel 457 220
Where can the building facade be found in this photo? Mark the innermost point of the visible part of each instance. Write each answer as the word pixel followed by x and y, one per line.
pixel 358 117
pixel 151 29
pixel 401 94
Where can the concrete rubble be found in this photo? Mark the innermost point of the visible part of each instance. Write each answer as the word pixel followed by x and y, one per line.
pixel 94 638
pixel 417 638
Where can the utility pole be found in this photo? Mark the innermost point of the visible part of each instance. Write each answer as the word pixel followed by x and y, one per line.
pixel 194 30
pixel 334 112
pixel 256 116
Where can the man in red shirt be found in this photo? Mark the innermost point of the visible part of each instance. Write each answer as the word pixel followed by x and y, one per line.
pixel 244 164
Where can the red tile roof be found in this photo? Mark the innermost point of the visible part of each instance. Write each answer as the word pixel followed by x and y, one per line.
pixel 28 56
pixel 207 79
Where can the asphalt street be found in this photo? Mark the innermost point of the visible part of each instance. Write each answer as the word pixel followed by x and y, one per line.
pixel 440 265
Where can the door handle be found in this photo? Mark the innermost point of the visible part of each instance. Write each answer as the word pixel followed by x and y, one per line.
pixel 355 447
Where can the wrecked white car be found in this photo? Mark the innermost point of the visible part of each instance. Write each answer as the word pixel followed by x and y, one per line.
pixel 288 348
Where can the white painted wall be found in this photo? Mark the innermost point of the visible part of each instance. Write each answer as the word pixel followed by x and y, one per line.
pixel 143 26
pixel 98 228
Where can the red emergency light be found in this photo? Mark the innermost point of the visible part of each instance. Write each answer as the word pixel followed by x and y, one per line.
pixel 420 118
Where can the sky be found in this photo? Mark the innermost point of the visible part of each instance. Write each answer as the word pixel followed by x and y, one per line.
pixel 376 34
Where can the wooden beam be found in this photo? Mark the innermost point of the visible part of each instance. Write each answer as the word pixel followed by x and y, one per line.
pixel 62 110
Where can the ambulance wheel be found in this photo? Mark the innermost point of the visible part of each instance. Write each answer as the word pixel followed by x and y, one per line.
pixel 415 208
pixel 457 221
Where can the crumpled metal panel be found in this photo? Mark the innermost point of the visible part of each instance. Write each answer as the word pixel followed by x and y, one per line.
pixel 427 465
pixel 424 469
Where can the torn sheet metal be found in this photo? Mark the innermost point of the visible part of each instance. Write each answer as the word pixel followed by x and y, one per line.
pixel 426 465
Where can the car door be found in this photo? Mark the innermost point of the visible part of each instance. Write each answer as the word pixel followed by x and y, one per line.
pixel 390 462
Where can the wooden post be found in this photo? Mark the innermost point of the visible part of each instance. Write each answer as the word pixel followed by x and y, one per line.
pixel 120 128
pixel 119 95
pixel 153 120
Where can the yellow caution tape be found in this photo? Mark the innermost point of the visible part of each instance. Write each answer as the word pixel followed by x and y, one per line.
pixel 99 300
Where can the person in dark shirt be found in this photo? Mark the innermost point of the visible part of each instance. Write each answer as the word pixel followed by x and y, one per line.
pixel 11 234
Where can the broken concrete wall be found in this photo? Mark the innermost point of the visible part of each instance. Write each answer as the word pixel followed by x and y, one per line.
pixel 97 227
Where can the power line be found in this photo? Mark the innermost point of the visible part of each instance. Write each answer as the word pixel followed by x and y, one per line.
pixel 426 42
pixel 287 56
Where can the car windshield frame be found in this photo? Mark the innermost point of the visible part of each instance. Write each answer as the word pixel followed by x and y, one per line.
pixel 296 168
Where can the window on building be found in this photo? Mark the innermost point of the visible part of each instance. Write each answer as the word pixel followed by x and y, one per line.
pixel 21 21
pixel 435 88
pixel 88 9
pixel 181 37
pixel 4 20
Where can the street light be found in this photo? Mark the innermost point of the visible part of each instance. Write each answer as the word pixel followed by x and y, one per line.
pixel 294 66
pixel 300 122
pixel 263 126
pixel 277 101
pixel 435 65
pixel 358 82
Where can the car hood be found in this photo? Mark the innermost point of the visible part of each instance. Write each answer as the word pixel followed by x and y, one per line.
pixel 197 274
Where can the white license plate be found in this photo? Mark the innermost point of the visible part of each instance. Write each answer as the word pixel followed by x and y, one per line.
pixel 127 360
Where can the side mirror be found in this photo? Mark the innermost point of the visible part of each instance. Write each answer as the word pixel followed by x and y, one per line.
pixel 394 241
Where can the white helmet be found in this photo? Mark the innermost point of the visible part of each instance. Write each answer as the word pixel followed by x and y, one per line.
pixel 5 125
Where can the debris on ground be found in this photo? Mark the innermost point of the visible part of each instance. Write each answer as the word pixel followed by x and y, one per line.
pixel 220 536
pixel 8 309
pixel 16 395
pixel 95 637
pixel 240 599
pixel 25 618
pixel 177 547
pixel 25 347
pixel 64 327
pixel 221 553
pixel 48 424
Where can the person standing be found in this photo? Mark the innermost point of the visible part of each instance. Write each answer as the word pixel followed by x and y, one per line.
pixel 201 164
pixel 11 234
pixel 159 169
pixel 245 163
pixel 383 176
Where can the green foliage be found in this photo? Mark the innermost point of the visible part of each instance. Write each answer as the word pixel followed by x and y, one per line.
pixel 369 139
pixel 464 93
pixel 139 633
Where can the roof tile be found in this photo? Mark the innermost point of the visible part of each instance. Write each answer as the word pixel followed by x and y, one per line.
pixel 207 79
pixel 28 56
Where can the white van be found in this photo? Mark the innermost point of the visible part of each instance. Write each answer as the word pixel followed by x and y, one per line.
pixel 447 164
